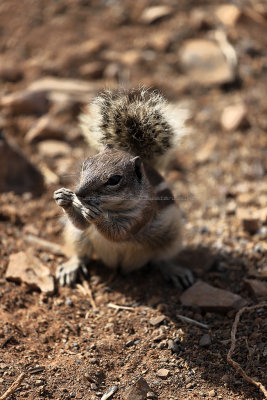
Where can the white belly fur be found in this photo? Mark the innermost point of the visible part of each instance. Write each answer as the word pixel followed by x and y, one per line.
pixel 132 255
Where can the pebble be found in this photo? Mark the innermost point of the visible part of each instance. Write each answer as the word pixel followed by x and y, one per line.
pixel 163 373
pixel 154 14
pixel 151 395
pixel 205 340
pixel 212 393
pixel 157 320
pixel 174 347
pixel 228 14
pixel 25 267
pixel 139 390
pixel 234 117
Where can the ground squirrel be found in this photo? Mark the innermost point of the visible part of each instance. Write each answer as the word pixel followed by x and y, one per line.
pixel 122 209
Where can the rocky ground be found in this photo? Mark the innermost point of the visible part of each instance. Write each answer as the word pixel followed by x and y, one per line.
pixel 126 332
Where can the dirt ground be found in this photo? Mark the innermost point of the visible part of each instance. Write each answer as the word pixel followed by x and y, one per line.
pixel 70 348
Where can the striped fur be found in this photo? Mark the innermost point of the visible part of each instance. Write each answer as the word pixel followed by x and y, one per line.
pixel 138 121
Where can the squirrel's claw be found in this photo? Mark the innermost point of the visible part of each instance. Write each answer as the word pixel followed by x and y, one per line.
pixel 180 277
pixel 67 272
pixel 64 197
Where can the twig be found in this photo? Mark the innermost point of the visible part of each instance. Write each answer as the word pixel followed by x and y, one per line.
pixel 192 321
pixel 44 244
pixel 234 364
pixel 109 393
pixel 117 307
pixel 86 291
pixel 13 387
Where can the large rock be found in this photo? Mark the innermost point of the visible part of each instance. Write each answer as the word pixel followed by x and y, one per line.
pixel 25 267
pixel 210 298
pixel 203 62
pixel 17 173
pixel 26 102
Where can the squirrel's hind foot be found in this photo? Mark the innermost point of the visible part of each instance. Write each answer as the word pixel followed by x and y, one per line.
pixel 180 277
pixel 67 272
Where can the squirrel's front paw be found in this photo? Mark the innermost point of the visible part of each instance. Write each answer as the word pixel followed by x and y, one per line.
pixel 91 213
pixel 64 197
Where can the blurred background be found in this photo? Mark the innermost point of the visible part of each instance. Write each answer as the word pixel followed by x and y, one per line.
pixel 207 56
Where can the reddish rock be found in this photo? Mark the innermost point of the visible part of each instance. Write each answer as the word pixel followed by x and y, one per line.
pixel 163 373
pixel 258 288
pixel 24 267
pixel 210 298
pixel 157 320
pixel 139 390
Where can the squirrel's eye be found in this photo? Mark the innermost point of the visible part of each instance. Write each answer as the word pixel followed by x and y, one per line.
pixel 114 180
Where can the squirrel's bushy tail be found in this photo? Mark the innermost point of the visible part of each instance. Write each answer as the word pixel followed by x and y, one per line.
pixel 138 121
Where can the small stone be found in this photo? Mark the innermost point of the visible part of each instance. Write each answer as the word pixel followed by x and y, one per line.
pixel 212 393
pixel 92 70
pixel 231 208
pixel 157 320
pixel 154 14
pixel 205 340
pixel 204 62
pixel 210 298
pixel 68 302
pixel 151 395
pixel 138 391
pixel 25 267
pixel 93 386
pixel 130 343
pixel 53 148
pixel 257 287
pixel 228 14
pixel 234 117
pixel 173 346
pixel 163 373
pixel 17 173
pixel 190 385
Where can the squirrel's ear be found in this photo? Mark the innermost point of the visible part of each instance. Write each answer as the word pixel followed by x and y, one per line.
pixel 137 167
pixel 108 146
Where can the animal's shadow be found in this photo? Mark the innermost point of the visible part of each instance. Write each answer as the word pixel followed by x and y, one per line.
pixel 147 287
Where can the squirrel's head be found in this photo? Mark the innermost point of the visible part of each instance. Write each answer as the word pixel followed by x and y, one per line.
pixel 114 179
